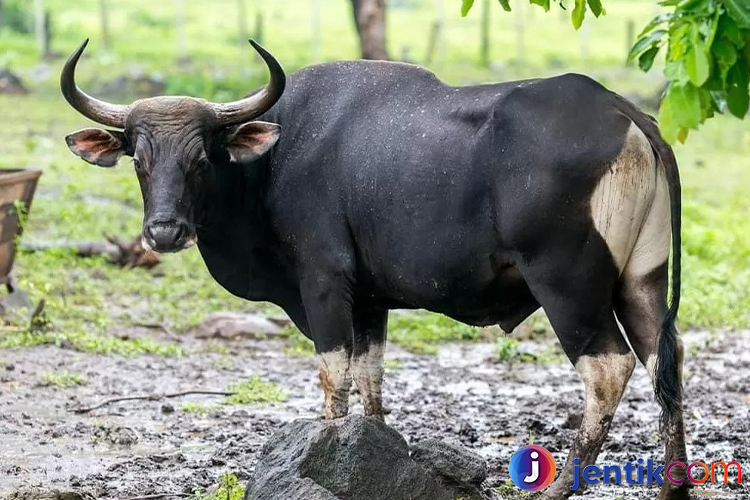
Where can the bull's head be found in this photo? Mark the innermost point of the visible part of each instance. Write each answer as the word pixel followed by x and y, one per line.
pixel 173 142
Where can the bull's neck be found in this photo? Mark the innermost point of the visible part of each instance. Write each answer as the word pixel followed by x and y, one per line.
pixel 233 233
pixel 233 200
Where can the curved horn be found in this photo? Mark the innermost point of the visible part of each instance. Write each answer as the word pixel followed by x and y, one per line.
pixel 234 113
pixel 111 115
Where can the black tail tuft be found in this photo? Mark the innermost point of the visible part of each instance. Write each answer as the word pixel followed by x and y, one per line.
pixel 667 384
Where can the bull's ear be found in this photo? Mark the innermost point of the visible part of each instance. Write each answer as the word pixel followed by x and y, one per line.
pixel 251 140
pixel 97 146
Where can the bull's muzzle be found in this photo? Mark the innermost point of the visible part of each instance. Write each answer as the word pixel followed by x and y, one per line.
pixel 167 235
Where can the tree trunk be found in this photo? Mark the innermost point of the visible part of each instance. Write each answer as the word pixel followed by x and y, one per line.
pixel 104 20
pixel 242 25
pixel 484 35
pixel 369 17
pixel 40 28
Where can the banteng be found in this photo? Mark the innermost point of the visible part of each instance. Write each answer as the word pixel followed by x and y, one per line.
pixel 357 187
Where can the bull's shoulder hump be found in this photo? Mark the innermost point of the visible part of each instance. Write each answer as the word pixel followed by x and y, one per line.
pixel 342 71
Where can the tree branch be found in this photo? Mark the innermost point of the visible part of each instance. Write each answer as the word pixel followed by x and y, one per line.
pixel 150 397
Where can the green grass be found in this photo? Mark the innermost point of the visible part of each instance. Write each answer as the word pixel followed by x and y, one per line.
pixel 299 346
pixel 391 365
pixel 229 489
pixel 89 342
pixel 90 304
pixel 253 391
pixel 63 379
pixel 421 333
pixel 198 408
pixel 510 491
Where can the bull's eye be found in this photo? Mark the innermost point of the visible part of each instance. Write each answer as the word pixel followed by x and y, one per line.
pixel 137 164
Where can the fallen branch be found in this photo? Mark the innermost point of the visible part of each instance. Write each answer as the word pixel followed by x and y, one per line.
pixel 151 397
pixel 163 328
pixel 124 253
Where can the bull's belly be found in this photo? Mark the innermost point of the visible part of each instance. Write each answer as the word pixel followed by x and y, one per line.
pixel 502 298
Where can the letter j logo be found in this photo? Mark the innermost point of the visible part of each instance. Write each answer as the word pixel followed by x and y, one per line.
pixel 532 468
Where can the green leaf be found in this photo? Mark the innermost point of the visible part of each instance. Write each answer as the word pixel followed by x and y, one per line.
pixel 466 7
pixel 729 30
pixel 505 4
pixel 579 12
pixel 542 3
pixel 738 94
pixel 685 105
pixel 645 43
pixel 596 7
pixel 697 64
pixel 711 27
pixel 646 60
pixel 725 55
pixel 740 11
pixel 679 43
pixel 667 122
pixel 657 21
pixel 696 6
pixel 676 73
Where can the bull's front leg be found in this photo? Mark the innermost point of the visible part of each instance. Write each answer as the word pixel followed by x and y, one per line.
pixel 367 359
pixel 327 301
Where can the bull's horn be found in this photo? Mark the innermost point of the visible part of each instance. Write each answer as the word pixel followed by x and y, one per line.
pixel 234 113
pixel 111 115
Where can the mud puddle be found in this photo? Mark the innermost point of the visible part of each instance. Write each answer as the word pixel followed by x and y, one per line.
pixel 141 448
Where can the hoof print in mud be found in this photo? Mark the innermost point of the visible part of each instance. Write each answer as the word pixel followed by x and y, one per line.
pixel 362 458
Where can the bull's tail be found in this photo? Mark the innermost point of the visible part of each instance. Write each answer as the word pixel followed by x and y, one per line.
pixel 667 381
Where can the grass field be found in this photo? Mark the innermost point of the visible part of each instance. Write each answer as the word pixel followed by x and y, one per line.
pixel 88 300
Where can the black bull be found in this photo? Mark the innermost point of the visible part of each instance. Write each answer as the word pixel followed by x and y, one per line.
pixel 368 186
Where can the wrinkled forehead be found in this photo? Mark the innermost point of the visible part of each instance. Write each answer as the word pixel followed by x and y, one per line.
pixel 170 114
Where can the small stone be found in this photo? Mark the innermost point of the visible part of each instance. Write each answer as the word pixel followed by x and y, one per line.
pixel 167 408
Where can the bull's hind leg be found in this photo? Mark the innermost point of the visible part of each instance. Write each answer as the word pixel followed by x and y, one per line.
pixel 367 359
pixel 593 343
pixel 578 302
pixel 641 305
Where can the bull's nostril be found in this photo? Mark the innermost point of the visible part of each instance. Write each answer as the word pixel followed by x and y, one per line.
pixel 179 232
pixel 149 233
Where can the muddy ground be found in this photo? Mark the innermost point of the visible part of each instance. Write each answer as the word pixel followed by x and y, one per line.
pixel 141 448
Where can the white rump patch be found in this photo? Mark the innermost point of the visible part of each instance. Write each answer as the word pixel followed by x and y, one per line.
pixel 630 207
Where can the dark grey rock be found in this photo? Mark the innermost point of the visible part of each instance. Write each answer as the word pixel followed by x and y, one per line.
pixel 351 458
pixel 454 463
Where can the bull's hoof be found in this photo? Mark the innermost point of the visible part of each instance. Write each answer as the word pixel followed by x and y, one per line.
pixel 671 491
